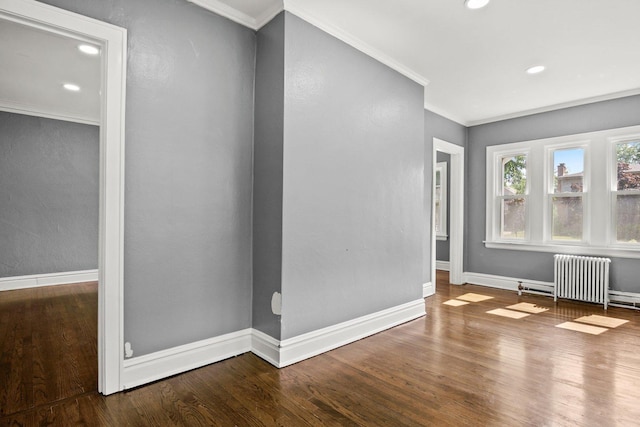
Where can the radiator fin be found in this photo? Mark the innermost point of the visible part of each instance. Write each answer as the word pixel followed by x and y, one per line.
pixel 581 278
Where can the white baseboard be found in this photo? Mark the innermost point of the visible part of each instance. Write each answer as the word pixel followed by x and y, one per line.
pixel 627 297
pixel 293 350
pixel 502 282
pixel 442 265
pixel 616 298
pixel 428 289
pixel 49 279
pixel 162 364
pixel 624 299
pixel 265 347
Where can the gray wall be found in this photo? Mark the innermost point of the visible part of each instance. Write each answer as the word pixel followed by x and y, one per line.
pixel 537 265
pixel 436 126
pixel 443 246
pixel 353 183
pixel 189 138
pixel 267 180
pixel 48 195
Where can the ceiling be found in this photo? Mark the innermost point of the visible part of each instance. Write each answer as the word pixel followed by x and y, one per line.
pixel 475 60
pixel 472 62
pixel 35 65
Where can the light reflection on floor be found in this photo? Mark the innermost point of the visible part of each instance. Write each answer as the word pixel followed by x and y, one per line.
pixel 593 324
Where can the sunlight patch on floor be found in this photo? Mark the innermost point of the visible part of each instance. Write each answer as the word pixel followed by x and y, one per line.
pixel 581 327
pixel 455 302
pixel 508 313
pixel 528 308
pixel 606 322
pixel 471 297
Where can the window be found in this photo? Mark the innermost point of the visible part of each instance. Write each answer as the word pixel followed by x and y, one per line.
pixel 513 196
pixel 440 198
pixel 627 192
pixel 548 195
pixel 566 194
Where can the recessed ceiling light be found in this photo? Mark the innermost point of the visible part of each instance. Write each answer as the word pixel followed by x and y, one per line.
pixel 475 4
pixel 535 69
pixel 88 49
pixel 71 87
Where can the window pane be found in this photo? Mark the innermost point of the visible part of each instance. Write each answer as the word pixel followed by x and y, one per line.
pixel 567 218
pixel 568 170
pixel 513 218
pixel 628 218
pixel 437 219
pixel 628 159
pixel 514 175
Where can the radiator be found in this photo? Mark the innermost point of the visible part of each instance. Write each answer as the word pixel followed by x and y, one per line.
pixel 581 278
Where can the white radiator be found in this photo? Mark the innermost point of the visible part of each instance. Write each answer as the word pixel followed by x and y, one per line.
pixel 581 278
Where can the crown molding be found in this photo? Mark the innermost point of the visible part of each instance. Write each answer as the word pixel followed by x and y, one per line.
pixel 576 103
pixel 227 11
pixel 447 115
pixel 255 23
pixel 268 15
pixel 300 12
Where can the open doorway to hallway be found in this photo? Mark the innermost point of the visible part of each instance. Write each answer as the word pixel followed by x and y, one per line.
pixel 50 114
pixel 448 191
pixel 112 71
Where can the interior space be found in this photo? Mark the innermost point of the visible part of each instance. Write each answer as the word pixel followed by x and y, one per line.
pixel 304 212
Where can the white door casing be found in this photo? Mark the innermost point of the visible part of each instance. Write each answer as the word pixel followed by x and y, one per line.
pixel 456 211
pixel 113 42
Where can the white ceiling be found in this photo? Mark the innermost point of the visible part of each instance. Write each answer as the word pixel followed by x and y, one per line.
pixel 473 61
pixel 35 65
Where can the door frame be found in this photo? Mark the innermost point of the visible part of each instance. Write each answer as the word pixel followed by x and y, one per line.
pixel 456 211
pixel 113 42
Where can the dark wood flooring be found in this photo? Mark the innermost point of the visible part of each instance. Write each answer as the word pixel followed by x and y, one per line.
pixel 456 366
pixel 48 338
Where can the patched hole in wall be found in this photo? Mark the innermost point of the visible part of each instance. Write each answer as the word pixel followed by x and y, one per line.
pixel 276 303
pixel 128 351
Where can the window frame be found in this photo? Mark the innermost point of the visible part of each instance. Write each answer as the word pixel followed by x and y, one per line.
pixel 500 197
pixel 599 188
pixel 441 167
pixel 549 170
pixel 612 161
pixel 495 196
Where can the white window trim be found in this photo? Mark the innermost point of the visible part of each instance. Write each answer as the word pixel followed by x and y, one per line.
pixel 494 190
pixel 442 168
pixel 612 173
pixel 600 186
pixel 549 194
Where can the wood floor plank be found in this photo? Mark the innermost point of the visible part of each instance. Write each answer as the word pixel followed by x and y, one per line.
pixel 455 366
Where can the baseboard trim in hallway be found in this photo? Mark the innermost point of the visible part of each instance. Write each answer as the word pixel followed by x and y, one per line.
pixel 48 279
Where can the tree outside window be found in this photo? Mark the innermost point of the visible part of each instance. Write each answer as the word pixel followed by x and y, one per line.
pixel 628 192
pixel 567 199
pixel 513 204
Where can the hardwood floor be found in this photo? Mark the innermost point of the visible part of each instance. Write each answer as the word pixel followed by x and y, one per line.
pixel 48 339
pixel 459 365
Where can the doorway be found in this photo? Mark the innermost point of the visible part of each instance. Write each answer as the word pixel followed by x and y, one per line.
pixel 111 40
pixel 455 208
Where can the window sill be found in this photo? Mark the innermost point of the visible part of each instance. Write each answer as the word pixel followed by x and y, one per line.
pixel 619 252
